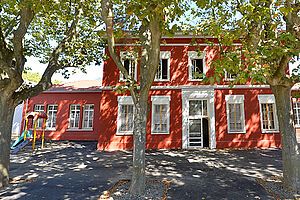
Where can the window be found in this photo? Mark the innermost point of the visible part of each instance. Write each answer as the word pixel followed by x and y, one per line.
pixel 160 114
pixel 163 70
pixel 51 121
pixel 296 106
pixel 129 62
pixel 235 113
pixel 196 66
pixel 229 76
pixel 74 116
pixel 88 116
pixel 125 115
pixel 268 117
pixel 39 108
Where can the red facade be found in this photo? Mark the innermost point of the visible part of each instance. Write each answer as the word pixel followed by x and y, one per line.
pixel 178 97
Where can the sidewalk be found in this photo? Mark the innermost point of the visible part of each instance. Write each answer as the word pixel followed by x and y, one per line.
pixel 72 170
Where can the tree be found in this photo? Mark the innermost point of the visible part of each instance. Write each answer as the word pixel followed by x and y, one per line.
pixel 268 32
pixel 147 21
pixel 62 34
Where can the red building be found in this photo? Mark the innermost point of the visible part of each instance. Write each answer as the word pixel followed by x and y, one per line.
pixel 185 113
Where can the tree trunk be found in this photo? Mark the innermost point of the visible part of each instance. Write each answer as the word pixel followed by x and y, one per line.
pixel 290 148
pixel 139 136
pixel 6 117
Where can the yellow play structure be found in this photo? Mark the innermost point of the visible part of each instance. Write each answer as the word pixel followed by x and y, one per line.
pixel 26 137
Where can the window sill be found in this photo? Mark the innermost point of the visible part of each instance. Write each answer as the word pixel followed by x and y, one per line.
pixel 120 133
pixel 161 80
pixel 230 79
pixel 48 129
pixel 196 79
pixel 160 133
pixel 77 129
pixel 236 132
pixel 270 131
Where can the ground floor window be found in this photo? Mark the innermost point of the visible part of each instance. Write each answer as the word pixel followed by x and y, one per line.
pixel 160 114
pixel 268 117
pixel 52 113
pixel 74 116
pixel 88 116
pixel 39 108
pixel 296 106
pixel 125 115
pixel 235 113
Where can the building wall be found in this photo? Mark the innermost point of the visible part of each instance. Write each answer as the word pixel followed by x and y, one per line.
pixel 253 136
pixel 108 119
pixel 63 100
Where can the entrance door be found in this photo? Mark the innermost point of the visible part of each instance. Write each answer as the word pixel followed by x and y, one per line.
pixel 198 124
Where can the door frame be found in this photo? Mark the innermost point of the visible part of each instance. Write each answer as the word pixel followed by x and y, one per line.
pixel 201 94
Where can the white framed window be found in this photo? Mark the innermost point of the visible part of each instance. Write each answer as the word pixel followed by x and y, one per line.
pixel 130 63
pixel 163 70
pixel 125 119
pixel 230 76
pixel 235 113
pixel 296 107
pixel 88 116
pixel 268 116
pixel 160 121
pixel 74 116
pixel 39 108
pixel 52 113
pixel 196 65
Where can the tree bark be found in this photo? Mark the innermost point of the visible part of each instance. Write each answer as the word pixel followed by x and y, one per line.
pixel 139 136
pixel 290 148
pixel 6 116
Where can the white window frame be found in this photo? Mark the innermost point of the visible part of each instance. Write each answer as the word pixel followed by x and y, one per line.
pixel 296 107
pixel 37 108
pixel 130 55
pixel 160 100
pixel 50 120
pixel 227 78
pixel 235 99
pixel 69 128
pixel 268 98
pixel 194 55
pixel 84 113
pixel 123 100
pixel 165 55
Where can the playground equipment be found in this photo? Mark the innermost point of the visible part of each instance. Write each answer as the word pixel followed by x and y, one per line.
pixel 27 136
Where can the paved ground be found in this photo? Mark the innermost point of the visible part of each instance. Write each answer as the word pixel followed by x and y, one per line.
pixel 77 171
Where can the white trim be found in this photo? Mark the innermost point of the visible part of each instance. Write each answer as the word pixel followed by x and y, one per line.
pixel 123 100
pixel 50 120
pixel 226 76
pixel 235 99
pixel 176 87
pixel 194 55
pixel 297 108
pixel 160 100
pixel 83 115
pixel 206 94
pixel 130 55
pixel 165 55
pixel 50 129
pixel 74 116
pixel 268 98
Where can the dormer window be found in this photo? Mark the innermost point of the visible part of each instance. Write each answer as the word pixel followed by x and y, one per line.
pixel 163 70
pixel 196 66
pixel 129 63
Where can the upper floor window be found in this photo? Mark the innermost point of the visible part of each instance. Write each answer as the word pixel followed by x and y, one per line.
pixel 74 116
pixel 88 116
pixel 196 66
pixel 160 114
pixel 125 115
pixel 296 106
pixel 39 108
pixel 163 70
pixel 129 63
pixel 268 117
pixel 229 76
pixel 235 113
pixel 52 113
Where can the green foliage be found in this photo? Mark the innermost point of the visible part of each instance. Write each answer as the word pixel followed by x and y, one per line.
pixel 253 36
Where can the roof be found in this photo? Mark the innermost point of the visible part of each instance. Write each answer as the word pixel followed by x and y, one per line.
pixel 77 86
